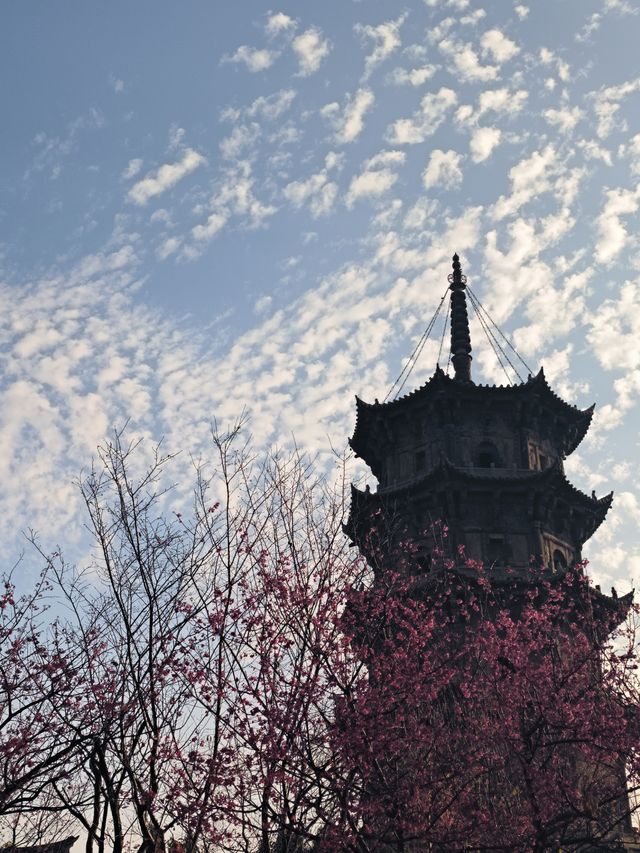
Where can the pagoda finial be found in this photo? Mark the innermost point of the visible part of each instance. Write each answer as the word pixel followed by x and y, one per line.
pixel 460 338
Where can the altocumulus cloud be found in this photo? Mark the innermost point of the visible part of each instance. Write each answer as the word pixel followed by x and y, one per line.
pixel 167 176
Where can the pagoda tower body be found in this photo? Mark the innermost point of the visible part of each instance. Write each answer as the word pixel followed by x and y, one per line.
pixel 485 460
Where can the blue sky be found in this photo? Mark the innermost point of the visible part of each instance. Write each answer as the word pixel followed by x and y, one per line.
pixel 211 206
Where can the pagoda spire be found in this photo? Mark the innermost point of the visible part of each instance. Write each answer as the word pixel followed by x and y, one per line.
pixel 460 338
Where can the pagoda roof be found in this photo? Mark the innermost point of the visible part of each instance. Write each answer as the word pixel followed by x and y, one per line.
pixel 552 480
pixel 52 847
pixel 369 414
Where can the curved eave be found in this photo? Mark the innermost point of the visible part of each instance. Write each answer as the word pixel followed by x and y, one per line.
pixel 582 427
pixel 366 412
pixel 613 609
pixel 551 479
pixel 363 505
pixel 580 419
pixel 364 434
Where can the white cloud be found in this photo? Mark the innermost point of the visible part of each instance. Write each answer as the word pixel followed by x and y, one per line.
pixel 165 177
pixel 634 153
pixel 496 45
pixel 176 137
pixel 529 178
pixel 565 119
pixel 278 22
pixel 607 104
pixel 433 111
pixel 255 59
pixel 242 136
pixel 386 39
pixel 263 305
pixel 318 190
pixel 502 101
pixel 233 197
pixel 269 107
pixel 521 11
pixel 214 223
pixel 370 185
pixel 376 178
pixel 349 123
pixel 593 151
pixel 465 63
pixel 614 334
pixel 133 167
pixel 612 234
pixel 499 101
pixel 443 169
pixel 412 76
pixel 168 247
pixel 483 141
pixel 310 48
pixel 454 4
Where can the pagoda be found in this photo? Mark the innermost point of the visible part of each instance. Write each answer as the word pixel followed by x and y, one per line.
pixel 486 460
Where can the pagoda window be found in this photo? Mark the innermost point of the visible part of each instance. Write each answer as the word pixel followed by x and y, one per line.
pixel 487 455
pixel 559 560
pixel 496 550
pixel 544 461
pixel 420 461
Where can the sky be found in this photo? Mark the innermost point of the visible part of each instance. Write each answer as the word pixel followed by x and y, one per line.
pixel 209 207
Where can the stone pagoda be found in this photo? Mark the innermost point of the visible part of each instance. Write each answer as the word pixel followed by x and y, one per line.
pixel 486 460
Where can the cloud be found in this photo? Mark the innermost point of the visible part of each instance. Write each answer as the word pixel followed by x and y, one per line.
pixel 165 177
pixel 465 63
pixel 614 332
pixel 521 11
pixel 501 101
pixel 233 197
pixel 254 59
pixel 349 123
pixel 498 47
pixel 168 247
pixel 454 4
pixel 612 234
pixel 432 113
pixel 116 83
pixel 207 231
pixel 263 305
pixel 269 107
pixel 318 190
pixel 412 76
pixel 634 154
pixel 242 136
pixel 386 38
pixel 483 141
pixel 133 167
pixel 376 178
pixel 443 169
pixel 565 119
pixel 310 48
pixel 593 151
pixel 607 103
pixel 529 178
pixel 278 22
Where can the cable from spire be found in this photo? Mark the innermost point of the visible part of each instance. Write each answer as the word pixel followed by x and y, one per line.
pixel 415 355
pixel 478 305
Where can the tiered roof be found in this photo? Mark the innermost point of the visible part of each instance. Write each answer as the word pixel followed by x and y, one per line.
pixel 371 417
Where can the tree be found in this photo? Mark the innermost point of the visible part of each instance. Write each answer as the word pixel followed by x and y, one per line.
pixel 491 719
pixel 233 677
pixel 37 681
